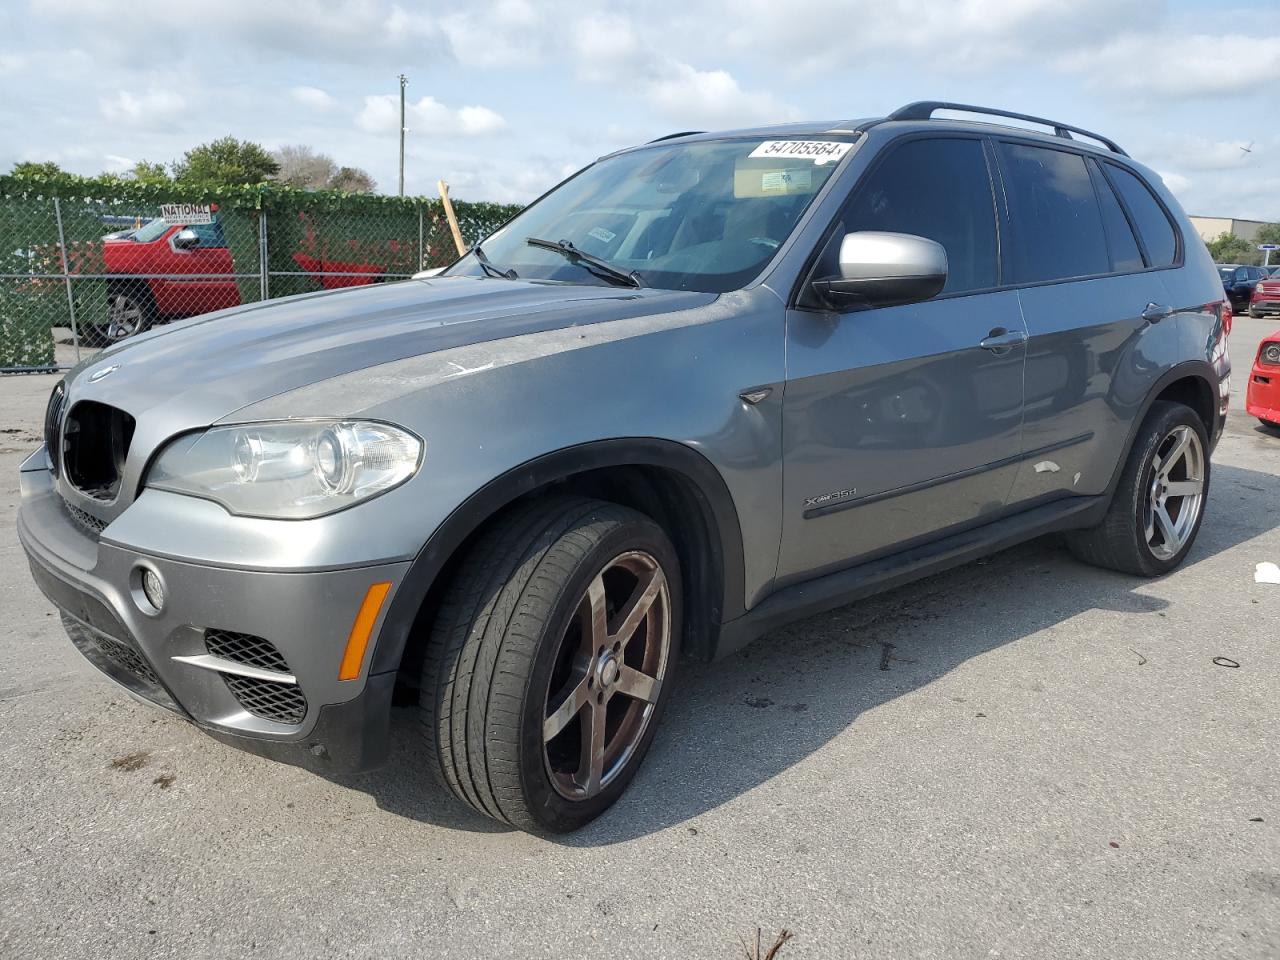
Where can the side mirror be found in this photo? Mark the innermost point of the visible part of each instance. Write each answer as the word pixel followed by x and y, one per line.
pixel 186 239
pixel 881 269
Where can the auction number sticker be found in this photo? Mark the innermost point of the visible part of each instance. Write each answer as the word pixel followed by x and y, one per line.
pixel 186 213
pixel 819 151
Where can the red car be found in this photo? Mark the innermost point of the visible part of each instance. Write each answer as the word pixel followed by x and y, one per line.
pixel 1265 297
pixel 1262 399
pixel 187 270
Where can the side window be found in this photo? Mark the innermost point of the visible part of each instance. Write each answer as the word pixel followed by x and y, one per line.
pixel 1125 255
pixel 939 189
pixel 1153 224
pixel 1242 274
pixel 210 235
pixel 1057 222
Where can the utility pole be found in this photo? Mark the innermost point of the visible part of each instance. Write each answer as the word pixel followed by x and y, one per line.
pixel 403 83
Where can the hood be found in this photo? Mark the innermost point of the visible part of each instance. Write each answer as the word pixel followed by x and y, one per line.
pixel 196 372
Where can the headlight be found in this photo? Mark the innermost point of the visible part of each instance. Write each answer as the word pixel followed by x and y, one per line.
pixel 288 471
pixel 1271 353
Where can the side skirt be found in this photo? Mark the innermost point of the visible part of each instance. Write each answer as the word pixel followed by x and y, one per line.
pixel 876 576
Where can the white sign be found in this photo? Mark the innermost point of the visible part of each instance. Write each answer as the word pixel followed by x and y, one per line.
pixel 1269 246
pixel 186 213
pixel 819 151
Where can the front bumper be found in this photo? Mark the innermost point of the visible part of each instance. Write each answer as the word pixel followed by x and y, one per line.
pixel 338 727
pixel 1268 305
pixel 1262 399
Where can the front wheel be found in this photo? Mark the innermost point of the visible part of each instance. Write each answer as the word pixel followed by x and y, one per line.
pixel 1159 504
pixel 550 661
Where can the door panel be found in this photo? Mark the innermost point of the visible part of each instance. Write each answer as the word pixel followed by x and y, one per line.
pixel 896 425
pixel 1086 337
pixel 204 292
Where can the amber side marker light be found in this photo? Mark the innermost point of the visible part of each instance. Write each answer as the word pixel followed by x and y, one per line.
pixel 362 629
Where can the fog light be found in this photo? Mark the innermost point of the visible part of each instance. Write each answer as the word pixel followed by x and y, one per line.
pixel 153 588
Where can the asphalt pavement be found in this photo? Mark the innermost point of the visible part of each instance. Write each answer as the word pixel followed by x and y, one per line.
pixel 1025 757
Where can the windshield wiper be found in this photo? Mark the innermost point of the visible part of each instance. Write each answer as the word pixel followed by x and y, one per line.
pixel 601 267
pixel 489 268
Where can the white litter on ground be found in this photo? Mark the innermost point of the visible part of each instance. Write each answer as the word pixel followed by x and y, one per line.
pixel 1266 572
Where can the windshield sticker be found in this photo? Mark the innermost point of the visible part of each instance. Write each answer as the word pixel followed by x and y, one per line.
pixel 819 151
pixel 601 234
pixel 785 181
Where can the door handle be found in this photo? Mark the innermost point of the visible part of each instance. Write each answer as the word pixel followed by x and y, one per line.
pixel 1000 340
pixel 1155 312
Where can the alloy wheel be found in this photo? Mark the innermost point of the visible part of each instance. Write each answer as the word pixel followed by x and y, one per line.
pixel 124 317
pixel 1175 495
pixel 608 672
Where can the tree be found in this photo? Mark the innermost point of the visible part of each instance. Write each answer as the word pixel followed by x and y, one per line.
pixel 307 169
pixel 1228 248
pixel 352 180
pixel 304 168
pixel 33 168
pixel 225 162
pixel 1270 234
pixel 146 172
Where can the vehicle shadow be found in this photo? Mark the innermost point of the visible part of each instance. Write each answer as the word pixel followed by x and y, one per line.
pixel 736 724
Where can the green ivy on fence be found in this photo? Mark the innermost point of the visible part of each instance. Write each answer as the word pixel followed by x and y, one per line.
pixel 313 238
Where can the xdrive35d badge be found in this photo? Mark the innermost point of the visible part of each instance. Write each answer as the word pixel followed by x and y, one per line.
pixel 517 493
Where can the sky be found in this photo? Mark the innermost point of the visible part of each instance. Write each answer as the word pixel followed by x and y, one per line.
pixel 507 97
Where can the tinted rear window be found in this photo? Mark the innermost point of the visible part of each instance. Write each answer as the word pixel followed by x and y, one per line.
pixel 1153 224
pixel 1057 222
pixel 1125 255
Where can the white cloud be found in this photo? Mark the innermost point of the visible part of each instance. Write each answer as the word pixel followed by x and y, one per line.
pixel 712 97
pixel 1153 64
pixel 12 62
pixel 1176 182
pixel 312 97
pixel 963 36
pixel 1199 153
pixel 611 49
pixel 508 34
pixel 117 164
pixel 428 117
pixel 345 30
pixel 151 108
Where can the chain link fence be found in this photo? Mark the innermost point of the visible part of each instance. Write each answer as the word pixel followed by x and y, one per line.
pixel 85 263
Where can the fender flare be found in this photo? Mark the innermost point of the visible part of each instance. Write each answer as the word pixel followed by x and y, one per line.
pixel 1200 369
pixel 719 514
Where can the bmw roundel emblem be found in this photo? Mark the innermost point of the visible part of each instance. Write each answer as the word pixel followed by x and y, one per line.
pixel 104 372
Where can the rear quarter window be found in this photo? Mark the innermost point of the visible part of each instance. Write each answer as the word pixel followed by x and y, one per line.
pixel 1057 223
pixel 1153 223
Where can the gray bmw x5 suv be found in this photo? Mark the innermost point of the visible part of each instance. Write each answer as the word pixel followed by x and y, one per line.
pixel 703 387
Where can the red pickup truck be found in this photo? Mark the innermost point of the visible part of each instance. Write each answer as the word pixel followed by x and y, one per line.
pixel 184 270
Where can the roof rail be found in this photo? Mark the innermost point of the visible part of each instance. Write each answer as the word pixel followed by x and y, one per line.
pixel 682 133
pixel 924 110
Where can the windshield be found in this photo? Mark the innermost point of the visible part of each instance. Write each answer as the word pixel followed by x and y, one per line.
pixel 699 216
pixel 152 230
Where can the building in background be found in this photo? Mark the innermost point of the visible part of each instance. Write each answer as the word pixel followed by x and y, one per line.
pixel 1210 228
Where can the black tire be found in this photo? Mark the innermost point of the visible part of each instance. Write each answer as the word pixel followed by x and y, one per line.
pixel 1269 423
pixel 1120 541
pixel 496 646
pixel 1255 314
pixel 132 300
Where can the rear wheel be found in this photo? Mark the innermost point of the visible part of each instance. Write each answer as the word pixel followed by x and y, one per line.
pixel 550 661
pixel 1159 504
